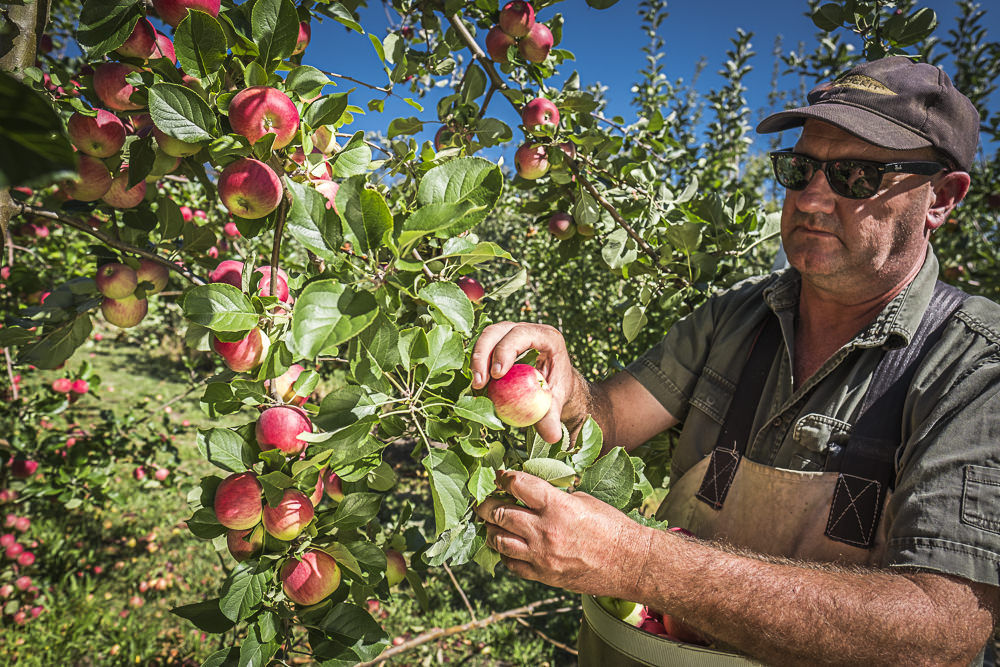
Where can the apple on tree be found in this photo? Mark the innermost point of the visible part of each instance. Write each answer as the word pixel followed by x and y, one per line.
pixel 229 271
pixel 245 354
pixel 237 502
pixel 284 385
pixel 540 113
pixel 100 136
pixel 124 313
pixel 517 18
pixel 278 427
pixel 164 48
pixel 305 32
pixel 120 196
pixel 311 578
pixel 535 46
pixel 260 110
pixel 521 397
pixel 173 11
pixel 246 543
pixel 141 43
pixel 531 161
pixel 395 570
pixel 497 43
pixel 174 147
pixel 112 88
pixel 264 284
pixel 286 520
pixel 332 485
pixel 472 288
pixel 249 188
pixel 116 280
pixel 154 274
pixel 93 180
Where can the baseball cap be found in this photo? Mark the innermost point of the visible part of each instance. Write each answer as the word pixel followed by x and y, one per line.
pixel 894 103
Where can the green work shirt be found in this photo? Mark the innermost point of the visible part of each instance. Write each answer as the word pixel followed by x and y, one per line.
pixel 944 512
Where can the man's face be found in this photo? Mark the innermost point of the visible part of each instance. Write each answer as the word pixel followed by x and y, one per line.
pixel 852 246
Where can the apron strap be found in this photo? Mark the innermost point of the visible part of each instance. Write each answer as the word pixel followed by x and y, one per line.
pixel 735 433
pixel 866 464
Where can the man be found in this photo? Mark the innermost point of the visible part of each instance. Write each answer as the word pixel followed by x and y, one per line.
pixel 796 562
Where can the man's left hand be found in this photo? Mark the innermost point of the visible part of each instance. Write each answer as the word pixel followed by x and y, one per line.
pixel 567 540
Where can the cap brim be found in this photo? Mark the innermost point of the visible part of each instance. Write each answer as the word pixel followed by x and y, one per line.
pixel 870 127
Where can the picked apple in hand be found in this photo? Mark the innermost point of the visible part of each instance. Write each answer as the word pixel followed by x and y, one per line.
pixel 521 397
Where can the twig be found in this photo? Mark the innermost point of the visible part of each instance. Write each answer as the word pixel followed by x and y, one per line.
pixel 111 241
pixel 427 272
pixel 458 587
pixel 463 33
pixel 565 647
pixel 439 633
pixel 13 385
pixel 279 228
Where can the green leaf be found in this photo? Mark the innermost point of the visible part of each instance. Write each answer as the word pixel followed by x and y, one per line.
pixel 452 302
pixel 482 483
pixel 490 132
pixel 365 211
pixel 382 342
pixel 610 479
pixel 444 350
pixel 589 443
pixel 200 44
pixel 344 17
pixel 106 24
pixel 204 525
pixel 226 449
pixel 633 321
pixel 470 179
pixel 346 406
pixel 57 345
pixel 480 410
pixel 220 307
pixel 326 314
pixel 456 545
pixel 205 615
pixel 275 30
pixel 402 126
pixel 432 218
pixel 555 472
pixel 243 592
pixel 33 148
pixel 828 17
pixel 311 223
pixel 181 113
pixel 307 82
pixel 227 657
pixel 353 159
pixel 327 110
pixel 448 478
pixel 356 510
pixel 619 250
pixel 915 28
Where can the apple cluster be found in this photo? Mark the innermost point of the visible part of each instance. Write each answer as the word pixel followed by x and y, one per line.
pixel 517 27
pixel 125 290
pixel 20 598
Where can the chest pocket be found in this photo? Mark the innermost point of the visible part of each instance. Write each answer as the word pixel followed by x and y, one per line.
pixel 818 437
pixel 712 395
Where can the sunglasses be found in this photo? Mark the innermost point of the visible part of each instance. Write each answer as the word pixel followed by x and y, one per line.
pixel 854 179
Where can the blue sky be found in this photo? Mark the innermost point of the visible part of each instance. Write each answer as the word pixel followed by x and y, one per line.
pixel 607 45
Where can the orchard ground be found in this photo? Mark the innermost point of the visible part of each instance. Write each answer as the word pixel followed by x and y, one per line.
pixel 111 595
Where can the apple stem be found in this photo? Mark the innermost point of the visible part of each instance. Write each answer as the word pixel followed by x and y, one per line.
pixel 423 267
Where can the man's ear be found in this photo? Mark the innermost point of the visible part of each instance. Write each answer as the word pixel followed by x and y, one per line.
pixel 949 190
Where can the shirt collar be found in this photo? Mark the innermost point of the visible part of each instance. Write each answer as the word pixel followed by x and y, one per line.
pixel 893 327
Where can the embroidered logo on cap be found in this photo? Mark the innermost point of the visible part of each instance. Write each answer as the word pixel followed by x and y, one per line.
pixel 862 82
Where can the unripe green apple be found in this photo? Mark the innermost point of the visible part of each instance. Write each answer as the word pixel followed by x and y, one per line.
pixel 289 517
pixel 153 273
pixel 395 570
pixel 124 313
pixel 630 612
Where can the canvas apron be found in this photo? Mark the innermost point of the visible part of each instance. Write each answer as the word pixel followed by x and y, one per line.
pixel 768 510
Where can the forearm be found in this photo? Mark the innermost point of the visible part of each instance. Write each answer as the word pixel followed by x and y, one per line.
pixel 796 613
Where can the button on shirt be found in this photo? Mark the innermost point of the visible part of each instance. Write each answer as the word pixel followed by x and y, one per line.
pixel 944 511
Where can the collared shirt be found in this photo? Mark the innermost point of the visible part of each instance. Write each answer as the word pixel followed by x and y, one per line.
pixel 944 512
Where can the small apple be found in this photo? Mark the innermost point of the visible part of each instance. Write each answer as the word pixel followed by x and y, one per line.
pixel 111 87
pixel 124 313
pixel 187 215
pixel 561 225
pixel 325 140
pixel 22 524
pixel 286 520
pixel 62 386
pixel 232 231
pixel 116 280
pixel 279 427
pixel 305 32
pixel 517 18
pixel 245 544
pixel 249 188
pixel 260 110
pixel 540 112
pixel 120 196
pixel 585 229
pixel 153 273
pixel 264 284
pixel 531 161
pixel 237 502
pixel 332 485
pixel 13 551
pixel 245 354
pixel 311 579
pixel 316 497
pixel 164 48
pixel 23 468
pixel 79 387
pixel 161 474
pixel 229 271
pixel 521 397
pixel 535 46
pixel 284 385
pixel 497 43
pixel 395 570
pixel 141 43
pixel 472 288
pixel 100 136
pixel 174 147
pixel 630 612
pixel 92 182
pixel 139 473
pixel 173 11
pixel 569 148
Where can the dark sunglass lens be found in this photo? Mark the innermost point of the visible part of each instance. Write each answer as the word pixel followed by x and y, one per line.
pixel 856 180
pixel 793 171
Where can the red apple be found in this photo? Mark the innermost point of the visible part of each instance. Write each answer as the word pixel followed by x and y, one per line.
pixel 237 502
pixel 187 215
pixel 101 136
pixel 13 551
pixel 497 43
pixel 111 87
pixel 141 43
pixel 289 517
pixel 531 161
pixel 249 188
pixel 116 281
pixel 93 180
pixel 232 231
pixel 681 631
pixel 329 190
pixel 317 494
pixel 173 11
pixel 174 147
pixel 535 46
pixel 278 428
pixel 228 271
pixel 26 559
pixel 247 543
pixel 161 474
pixel 23 468
pixel 62 386
pixel 284 385
pixel 153 273
pixel 305 32
pixel 517 18
pixel 521 397
pixel 79 387
pixel 264 284
pixel 561 225
pixel 164 48
pixel 119 195
pixel 395 570
pixel 124 313
pixel 472 288
pixel 260 110
pixel 540 111
pixel 332 485
pixel 312 579
pixel 22 524
pixel 7 539
pixel 245 354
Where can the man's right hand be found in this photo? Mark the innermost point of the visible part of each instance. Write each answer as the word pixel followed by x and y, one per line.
pixel 498 348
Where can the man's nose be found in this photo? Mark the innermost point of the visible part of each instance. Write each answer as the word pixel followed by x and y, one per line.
pixel 817 197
